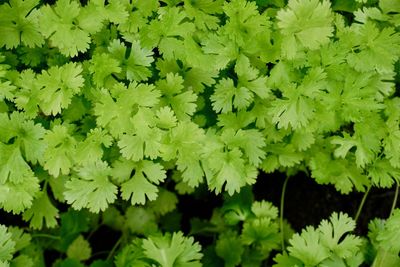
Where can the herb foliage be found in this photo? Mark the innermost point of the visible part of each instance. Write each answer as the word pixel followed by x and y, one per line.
pixel 109 110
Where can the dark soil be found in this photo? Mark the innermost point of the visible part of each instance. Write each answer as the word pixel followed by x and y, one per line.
pixel 307 203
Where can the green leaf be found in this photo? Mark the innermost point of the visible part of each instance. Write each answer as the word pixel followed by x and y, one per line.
pixel 19 24
pixel 142 185
pixel 250 78
pixel 18 196
pixel 70 263
pixel 141 220
pixel 27 96
pixel 42 211
pixel 324 245
pixel 367 144
pixel 173 251
pixel 250 141
pixel 166 118
pixel 306 23
pixel 202 11
pixel 91 149
pixel 390 236
pixel 22 261
pixel 7 245
pixel 165 32
pixel 245 24
pixel 264 209
pixel 335 235
pixel 284 260
pixel 344 174
pixel 297 107
pixel 22 240
pixel 385 258
pixel 174 94
pixel 165 202
pixel 58 157
pixel 91 188
pixel 14 168
pixel 229 169
pixel 224 94
pixel 79 249
pixel 230 248
pixel 135 63
pixel 28 140
pixel 146 142
pixel 185 142
pixel 383 174
pixel 261 231
pixel 375 55
pixel 103 66
pixel 57 87
pixel 73 223
pixel 132 255
pixel 67 26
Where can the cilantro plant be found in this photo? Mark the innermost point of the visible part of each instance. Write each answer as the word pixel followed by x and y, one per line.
pixel 112 112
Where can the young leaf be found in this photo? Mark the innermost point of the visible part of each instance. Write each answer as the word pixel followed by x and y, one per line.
pixel 165 202
pixel 185 142
pixel 141 220
pixel 229 169
pixel 142 184
pixel 230 248
pixel 305 23
pixel 249 78
pixel 19 24
pixel 18 196
pixel 307 247
pixel 13 167
pixel 57 87
pixel 27 96
pixel 328 244
pixel 181 101
pixel 79 249
pixel 67 26
pixel 250 141
pixel 375 55
pixel 335 235
pixel 102 66
pixel 7 245
pixel 91 188
pixel 58 157
pixel 91 149
pixel 135 64
pixel 167 32
pixel 390 236
pixel 173 251
pixel 41 212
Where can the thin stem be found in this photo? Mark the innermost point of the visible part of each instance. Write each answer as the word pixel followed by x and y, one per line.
pixel 281 213
pixel 100 253
pixel 396 195
pixel 362 203
pixel 93 231
pixel 46 236
pixel 114 248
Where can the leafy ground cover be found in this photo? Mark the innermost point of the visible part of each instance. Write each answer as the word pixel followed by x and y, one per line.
pixel 199 133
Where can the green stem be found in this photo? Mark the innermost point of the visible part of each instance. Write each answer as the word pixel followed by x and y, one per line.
pixel 93 231
pixel 100 253
pixel 362 203
pixel 112 252
pixel 396 195
pixel 281 213
pixel 46 236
